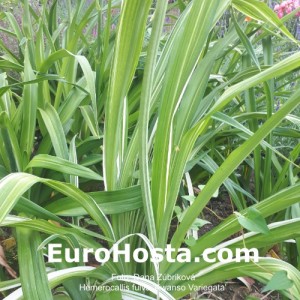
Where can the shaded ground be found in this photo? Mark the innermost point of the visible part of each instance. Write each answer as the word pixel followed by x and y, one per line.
pixel 216 211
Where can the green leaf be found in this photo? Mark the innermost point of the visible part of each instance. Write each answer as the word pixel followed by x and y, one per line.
pixel 5 88
pixel 56 131
pixel 215 194
pixel 191 241
pixel 10 150
pixel 84 237
pixel 30 208
pixel 111 202
pixel 62 165
pixel 230 164
pixel 253 221
pixel 244 39
pixel 193 35
pixel 9 284
pixel 144 114
pixel 283 67
pixel 91 121
pixel 261 12
pixel 189 198
pixel 55 278
pixel 199 223
pixel 262 271
pixel 29 109
pixel 8 65
pixel 128 45
pixel 115 295
pixel 33 274
pixel 278 282
pixel 279 231
pixel 13 186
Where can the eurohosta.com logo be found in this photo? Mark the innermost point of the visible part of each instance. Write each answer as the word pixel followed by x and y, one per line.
pixel 155 255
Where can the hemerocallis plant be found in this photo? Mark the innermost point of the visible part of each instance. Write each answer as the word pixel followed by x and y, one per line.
pixel 107 118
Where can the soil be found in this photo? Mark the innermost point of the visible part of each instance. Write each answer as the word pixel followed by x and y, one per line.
pixel 215 212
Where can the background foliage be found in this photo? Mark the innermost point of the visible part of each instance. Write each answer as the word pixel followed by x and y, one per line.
pixel 116 126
